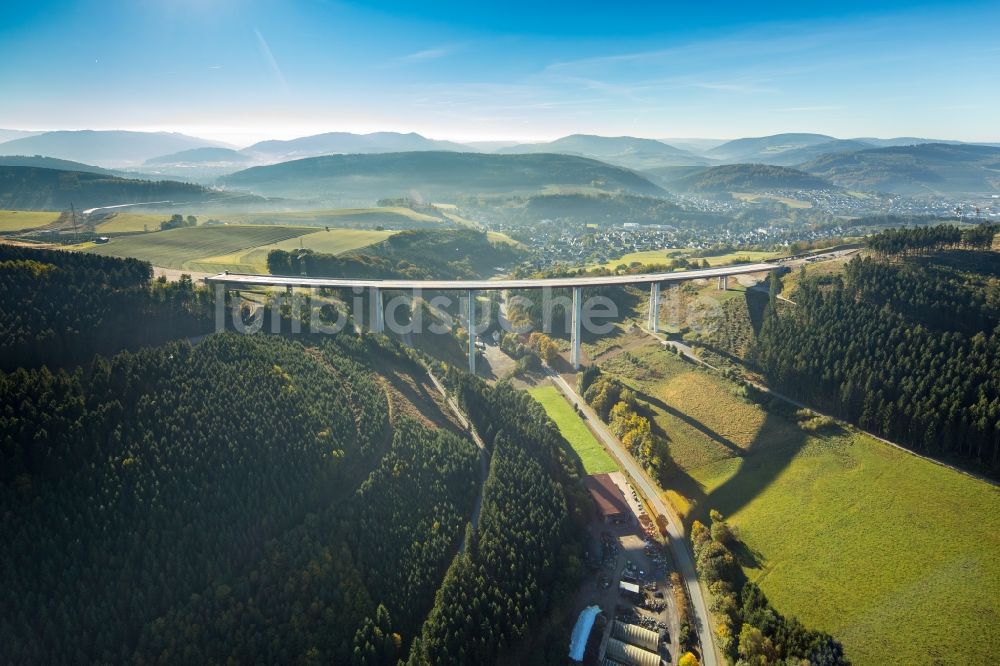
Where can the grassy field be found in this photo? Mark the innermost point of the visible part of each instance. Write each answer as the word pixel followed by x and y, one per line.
pixel 790 281
pixel 897 557
pixel 15 220
pixel 595 459
pixel 663 256
pixel 130 222
pixel 450 211
pixel 500 237
pixel 178 248
pixel 389 215
pixel 755 196
pixel 332 216
pixel 239 249
pixel 335 241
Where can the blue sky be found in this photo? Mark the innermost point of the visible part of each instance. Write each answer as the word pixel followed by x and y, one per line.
pixel 241 71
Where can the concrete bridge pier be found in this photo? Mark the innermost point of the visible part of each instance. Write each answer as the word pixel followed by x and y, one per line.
pixel 378 311
pixel 654 306
pixel 220 307
pixel 471 318
pixel 723 283
pixel 574 355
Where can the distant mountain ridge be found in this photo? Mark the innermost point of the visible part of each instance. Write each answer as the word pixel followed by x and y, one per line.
pixel 11 134
pixel 205 154
pixel 802 154
pixel 747 177
pixel 930 168
pixel 348 143
pixel 42 162
pixel 435 176
pixel 107 148
pixel 630 152
pixel 909 167
pixel 758 149
pixel 33 188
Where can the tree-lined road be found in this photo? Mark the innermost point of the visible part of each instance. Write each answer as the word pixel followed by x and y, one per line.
pixel 675 533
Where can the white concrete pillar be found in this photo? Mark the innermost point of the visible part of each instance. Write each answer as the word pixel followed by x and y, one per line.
pixel 471 319
pixel 654 306
pixel 220 307
pixel 574 356
pixel 378 311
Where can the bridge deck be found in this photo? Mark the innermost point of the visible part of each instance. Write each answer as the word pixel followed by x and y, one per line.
pixel 235 279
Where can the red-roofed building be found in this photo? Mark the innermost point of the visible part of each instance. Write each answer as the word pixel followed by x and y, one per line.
pixel 611 504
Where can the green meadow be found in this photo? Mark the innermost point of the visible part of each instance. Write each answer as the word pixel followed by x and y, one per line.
pixel 16 220
pixel 334 241
pixel 331 216
pixel 648 257
pixel 240 249
pixel 178 248
pixel 896 556
pixel 131 222
pixel 595 459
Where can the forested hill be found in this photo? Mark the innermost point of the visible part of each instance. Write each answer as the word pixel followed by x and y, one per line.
pixel 746 178
pixel 930 168
pixel 758 149
pixel 206 154
pixel 330 143
pixel 434 176
pixel 497 600
pixel 611 210
pixel 62 308
pixel 438 254
pixel 246 500
pixel 906 343
pixel 261 498
pixel 32 188
pixel 627 151
pixel 51 163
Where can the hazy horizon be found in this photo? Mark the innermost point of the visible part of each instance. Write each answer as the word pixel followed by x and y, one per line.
pixel 292 133
pixel 239 73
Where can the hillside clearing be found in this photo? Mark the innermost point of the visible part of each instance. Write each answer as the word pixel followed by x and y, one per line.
pixel 332 216
pixel 790 281
pixel 595 459
pixel 500 237
pixel 334 241
pixel 15 220
pixel 130 222
pixel 758 196
pixel 650 257
pixel 179 248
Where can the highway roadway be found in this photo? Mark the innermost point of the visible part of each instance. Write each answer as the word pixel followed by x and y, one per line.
pixel 675 533
pixel 236 280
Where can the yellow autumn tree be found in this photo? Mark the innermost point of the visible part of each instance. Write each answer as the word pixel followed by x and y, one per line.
pixel 688 659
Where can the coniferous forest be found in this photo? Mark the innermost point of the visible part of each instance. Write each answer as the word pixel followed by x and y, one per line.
pixel 61 308
pixel 905 343
pixel 524 558
pixel 259 498
pixel 241 499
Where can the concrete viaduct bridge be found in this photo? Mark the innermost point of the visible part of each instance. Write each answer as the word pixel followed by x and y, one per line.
pixel 225 281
